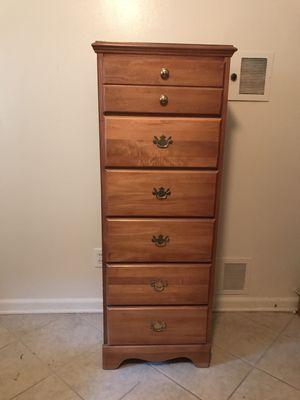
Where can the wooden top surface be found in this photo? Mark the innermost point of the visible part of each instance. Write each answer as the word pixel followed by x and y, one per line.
pixel 164 48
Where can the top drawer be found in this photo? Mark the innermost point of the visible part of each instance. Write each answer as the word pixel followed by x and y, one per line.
pixel 133 69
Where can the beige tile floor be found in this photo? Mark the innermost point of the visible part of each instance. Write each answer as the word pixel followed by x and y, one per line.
pixel 256 356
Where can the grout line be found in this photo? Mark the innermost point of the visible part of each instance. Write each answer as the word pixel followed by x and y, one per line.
pixel 276 377
pixel 240 384
pixel 248 317
pixel 18 336
pixel 8 344
pixel 129 391
pixel 234 355
pixel 89 323
pixel 253 366
pixel 68 385
pixel 29 387
pixel 271 344
pixel 174 381
pixel 52 370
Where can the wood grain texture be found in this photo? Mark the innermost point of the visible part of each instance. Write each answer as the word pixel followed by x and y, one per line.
pixel 157 284
pixel 164 48
pixel 131 69
pixel 113 356
pixel 129 142
pixel 126 141
pixel 218 196
pixel 132 325
pixel 130 240
pixel 145 99
pixel 134 193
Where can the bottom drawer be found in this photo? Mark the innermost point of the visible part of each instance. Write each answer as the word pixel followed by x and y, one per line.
pixel 156 325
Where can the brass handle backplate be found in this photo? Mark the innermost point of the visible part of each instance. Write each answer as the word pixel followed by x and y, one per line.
pixel 164 73
pixel 158 326
pixel 161 193
pixel 162 142
pixel 163 100
pixel 159 285
pixel 160 240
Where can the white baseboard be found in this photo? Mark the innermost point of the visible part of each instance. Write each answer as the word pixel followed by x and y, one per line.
pixel 247 303
pixel 43 306
pixel 89 305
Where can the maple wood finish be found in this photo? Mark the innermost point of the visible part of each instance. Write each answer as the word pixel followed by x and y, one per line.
pixel 165 193
pixel 113 356
pixel 192 142
pixel 181 100
pixel 162 110
pixel 142 70
pixel 133 240
pixel 159 284
pixel 156 325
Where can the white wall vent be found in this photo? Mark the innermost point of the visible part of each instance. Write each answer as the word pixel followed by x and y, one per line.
pixel 250 76
pixel 233 276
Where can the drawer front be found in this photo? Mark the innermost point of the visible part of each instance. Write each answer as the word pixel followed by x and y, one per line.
pixel 161 142
pixel 159 240
pixel 156 325
pixel 147 99
pixel 163 70
pixel 157 284
pixel 160 193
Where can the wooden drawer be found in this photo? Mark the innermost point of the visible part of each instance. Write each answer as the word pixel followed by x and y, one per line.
pixel 158 284
pixel 147 70
pixel 161 142
pixel 146 99
pixel 160 193
pixel 159 240
pixel 156 325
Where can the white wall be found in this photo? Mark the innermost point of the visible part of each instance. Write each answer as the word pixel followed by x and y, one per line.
pixel 49 169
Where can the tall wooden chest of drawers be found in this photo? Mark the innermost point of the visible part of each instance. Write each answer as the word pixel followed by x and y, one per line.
pixel 162 111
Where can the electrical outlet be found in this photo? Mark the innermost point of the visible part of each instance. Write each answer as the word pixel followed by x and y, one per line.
pixel 97 258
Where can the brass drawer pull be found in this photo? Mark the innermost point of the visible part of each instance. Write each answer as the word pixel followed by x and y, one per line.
pixel 159 285
pixel 160 240
pixel 161 193
pixel 158 326
pixel 163 100
pixel 162 142
pixel 164 73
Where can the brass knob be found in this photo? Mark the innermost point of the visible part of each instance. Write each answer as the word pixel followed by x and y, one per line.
pixel 159 285
pixel 164 73
pixel 163 100
pixel 161 193
pixel 162 142
pixel 160 240
pixel 158 326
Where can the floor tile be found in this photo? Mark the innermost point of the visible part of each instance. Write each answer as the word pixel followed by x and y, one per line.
pixel 293 328
pixel 20 324
pixel 51 388
pixel 154 385
pixel 272 320
pixel 241 336
pixel 59 341
pixel 86 376
pixel 5 337
pixel 214 383
pixel 95 319
pixel 283 360
pixel 260 386
pixel 19 369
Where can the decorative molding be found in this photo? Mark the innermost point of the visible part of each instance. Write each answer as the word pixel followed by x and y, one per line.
pixel 247 303
pixel 43 306
pixel 164 48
